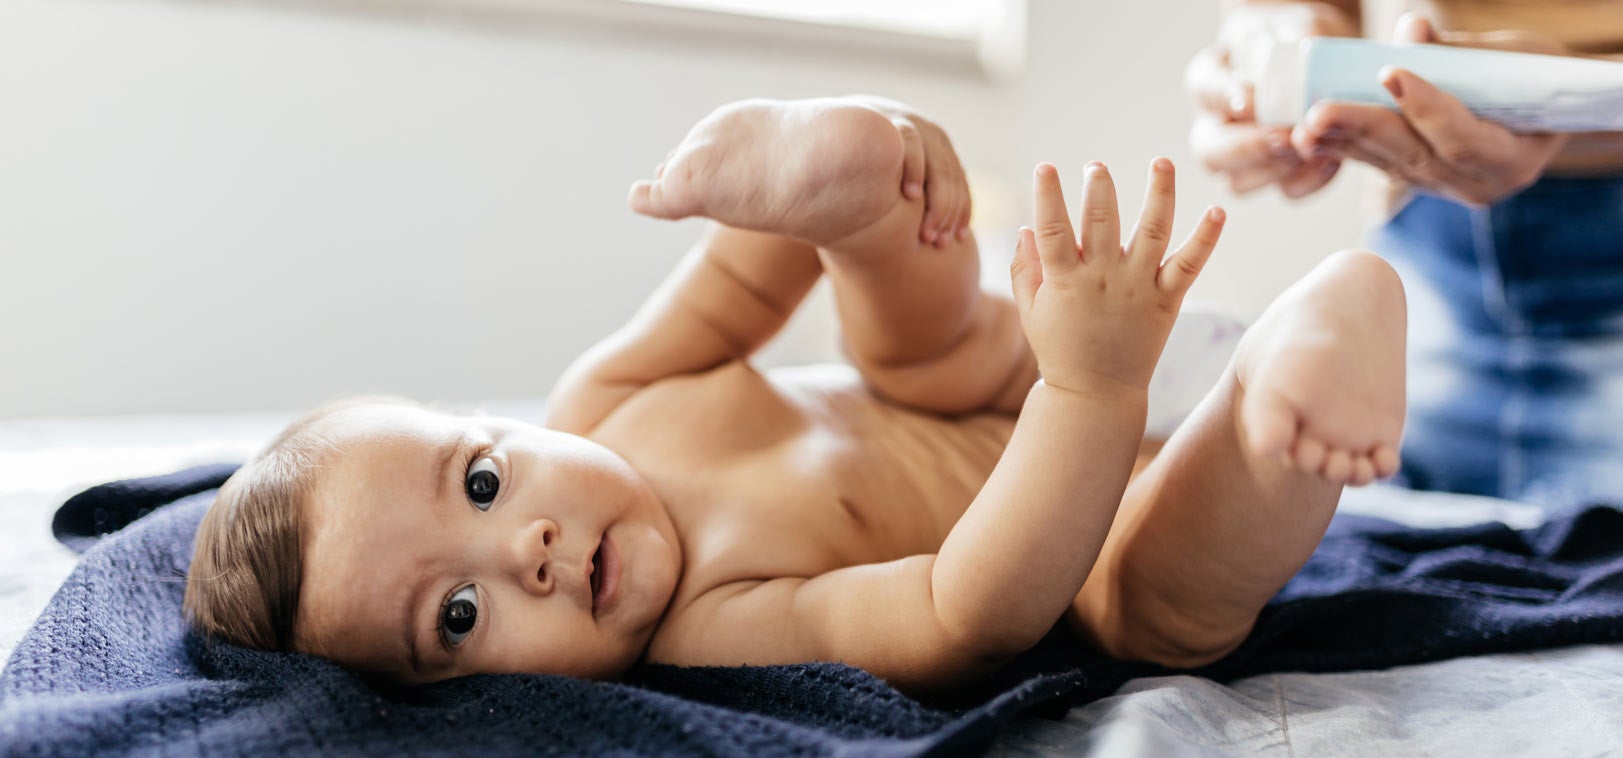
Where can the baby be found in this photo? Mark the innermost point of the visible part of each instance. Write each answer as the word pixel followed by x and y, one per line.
pixel 926 513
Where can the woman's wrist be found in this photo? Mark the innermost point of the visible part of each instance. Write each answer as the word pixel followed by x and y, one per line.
pixel 1589 154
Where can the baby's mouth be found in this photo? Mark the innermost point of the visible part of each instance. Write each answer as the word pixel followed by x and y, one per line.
pixel 605 577
pixel 597 573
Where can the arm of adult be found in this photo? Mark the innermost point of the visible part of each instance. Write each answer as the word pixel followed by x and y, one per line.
pixel 1433 141
pixel 1226 136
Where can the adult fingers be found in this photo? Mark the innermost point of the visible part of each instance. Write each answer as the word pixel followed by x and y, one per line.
pixel 1232 147
pixel 1380 137
pixel 1469 144
pixel 1252 179
pixel 1214 87
pixel 1414 28
pixel 1309 177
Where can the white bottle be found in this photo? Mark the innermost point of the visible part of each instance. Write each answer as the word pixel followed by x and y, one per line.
pixel 1524 91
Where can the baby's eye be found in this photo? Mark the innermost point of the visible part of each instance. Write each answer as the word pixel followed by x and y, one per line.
pixel 458 616
pixel 483 483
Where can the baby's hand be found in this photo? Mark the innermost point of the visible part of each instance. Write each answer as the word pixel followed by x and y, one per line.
pixel 1099 312
pixel 930 169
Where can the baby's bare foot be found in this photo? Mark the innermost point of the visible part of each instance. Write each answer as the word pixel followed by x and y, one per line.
pixel 1323 369
pixel 816 170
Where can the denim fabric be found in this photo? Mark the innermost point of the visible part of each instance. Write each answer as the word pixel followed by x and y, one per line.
pixel 1515 342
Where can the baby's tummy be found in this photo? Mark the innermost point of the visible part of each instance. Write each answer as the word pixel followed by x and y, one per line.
pixel 906 475
pixel 901 468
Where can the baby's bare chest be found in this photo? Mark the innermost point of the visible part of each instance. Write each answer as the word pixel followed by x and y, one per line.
pixel 800 474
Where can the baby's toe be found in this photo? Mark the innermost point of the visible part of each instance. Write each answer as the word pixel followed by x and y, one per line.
pixel 1363 471
pixel 1270 423
pixel 1386 461
pixel 642 198
pixel 1309 454
pixel 1337 466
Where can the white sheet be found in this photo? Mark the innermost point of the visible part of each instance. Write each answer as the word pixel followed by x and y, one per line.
pixel 1561 702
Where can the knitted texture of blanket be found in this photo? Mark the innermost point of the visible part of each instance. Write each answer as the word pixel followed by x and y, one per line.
pixel 110 666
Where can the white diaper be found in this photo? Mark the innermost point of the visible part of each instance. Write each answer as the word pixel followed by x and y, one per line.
pixel 1197 352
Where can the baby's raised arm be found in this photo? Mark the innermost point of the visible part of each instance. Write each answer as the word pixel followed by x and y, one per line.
pixel 1097 315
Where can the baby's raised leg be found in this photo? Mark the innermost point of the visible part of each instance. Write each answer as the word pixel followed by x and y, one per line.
pixel 828 172
pixel 1242 493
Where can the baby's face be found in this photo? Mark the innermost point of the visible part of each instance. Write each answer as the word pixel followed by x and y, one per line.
pixel 438 546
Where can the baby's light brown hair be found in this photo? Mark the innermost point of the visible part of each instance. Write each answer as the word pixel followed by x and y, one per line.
pixel 248 564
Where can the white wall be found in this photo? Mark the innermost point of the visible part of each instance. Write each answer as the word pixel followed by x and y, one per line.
pixel 209 205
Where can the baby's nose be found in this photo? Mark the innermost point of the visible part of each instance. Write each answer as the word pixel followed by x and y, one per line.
pixel 532 556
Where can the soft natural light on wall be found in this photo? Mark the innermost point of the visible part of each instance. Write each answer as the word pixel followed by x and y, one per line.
pixel 955 19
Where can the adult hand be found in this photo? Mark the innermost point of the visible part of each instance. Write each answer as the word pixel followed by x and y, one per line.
pixel 1433 141
pixel 1226 137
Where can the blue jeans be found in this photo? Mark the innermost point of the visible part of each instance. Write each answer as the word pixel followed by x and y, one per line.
pixel 1515 342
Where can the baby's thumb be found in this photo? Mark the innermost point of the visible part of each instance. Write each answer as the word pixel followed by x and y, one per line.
pixel 1026 272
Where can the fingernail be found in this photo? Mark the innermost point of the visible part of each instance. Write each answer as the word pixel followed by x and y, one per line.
pixel 1393 85
pixel 1279 144
pixel 1237 104
pixel 914 189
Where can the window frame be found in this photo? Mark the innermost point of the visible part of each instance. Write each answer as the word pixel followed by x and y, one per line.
pixel 997 52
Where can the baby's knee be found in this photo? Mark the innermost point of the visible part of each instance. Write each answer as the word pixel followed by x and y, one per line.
pixel 1368 264
pixel 1152 631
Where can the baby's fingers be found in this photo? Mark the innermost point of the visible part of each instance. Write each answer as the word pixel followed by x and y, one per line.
pixel 1026 272
pixel 1152 234
pixel 944 194
pixel 1181 269
pixel 1101 222
pixel 1056 240
pixel 912 159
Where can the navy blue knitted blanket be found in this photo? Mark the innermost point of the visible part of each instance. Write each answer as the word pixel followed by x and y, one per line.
pixel 110 667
